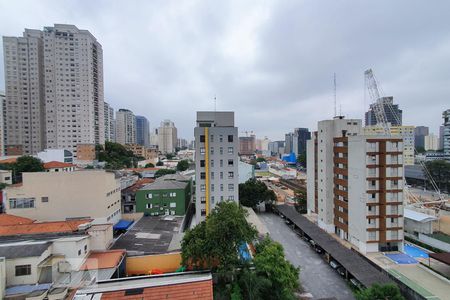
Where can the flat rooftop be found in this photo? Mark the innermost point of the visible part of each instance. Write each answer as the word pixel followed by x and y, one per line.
pixel 152 235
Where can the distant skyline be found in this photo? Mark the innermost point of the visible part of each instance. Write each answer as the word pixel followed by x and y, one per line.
pixel 270 62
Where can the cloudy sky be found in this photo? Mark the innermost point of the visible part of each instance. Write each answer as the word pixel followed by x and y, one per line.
pixel 272 62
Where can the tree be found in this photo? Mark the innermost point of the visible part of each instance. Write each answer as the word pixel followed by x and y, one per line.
pixel 252 285
pixel 420 149
pixel 149 165
pixel 260 159
pixel 162 172
pixel 159 163
pixel 116 156
pixel 382 292
pixel 169 156
pixel 208 245
pixel 301 159
pixel 28 164
pixel 270 263
pixel 183 165
pixel 253 192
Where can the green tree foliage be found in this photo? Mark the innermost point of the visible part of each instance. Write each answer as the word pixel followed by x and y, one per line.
pixel 183 165
pixel 28 164
pixel 271 264
pixel 208 245
pixel 420 149
pixel 159 163
pixel 236 292
pixel 253 286
pixel 260 159
pixel 300 200
pixel 162 172
pixel 440 171
pixel 301 159
pixel 253 192
pixel 149 165
pixel 382 292
pixel 170 155
pixel 116 156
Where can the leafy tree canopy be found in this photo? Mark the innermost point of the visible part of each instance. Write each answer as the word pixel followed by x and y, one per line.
pixel 159 163
pixel 382 292
pixel 162 172
pixel 116 156
pixel 301 159
pixel 271 264
pixel 208 245
pixel 440 171
pixel 149 165
pixel 183 165
pixel 170 155
pixel 253 192
pixel 28 164
pixel 260 159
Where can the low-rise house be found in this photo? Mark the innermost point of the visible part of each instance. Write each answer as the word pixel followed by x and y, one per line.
pixel 54 196
pixel 59 155
pixel 129 195
pixel 168 195
pixel 56 166
pixel 417 222
pixel 6 176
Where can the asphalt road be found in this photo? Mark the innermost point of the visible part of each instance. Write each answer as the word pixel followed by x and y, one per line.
pixel 316 276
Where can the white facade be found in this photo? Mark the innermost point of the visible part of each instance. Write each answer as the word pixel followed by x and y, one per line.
pixel 167 137
pixel 431 142
pixel 125 127
pixel 60 155
pixel 2 123
pixel 54 89
pixel 55 196
pixel 246 171
pixel 5 177
pixel 216 161
pixel 446 132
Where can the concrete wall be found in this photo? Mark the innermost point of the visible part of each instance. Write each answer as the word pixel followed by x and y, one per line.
pixel 310 173
pixel 12 279
pixel 92 194
pixel 101 237
pixel 73 249
pixel 434 242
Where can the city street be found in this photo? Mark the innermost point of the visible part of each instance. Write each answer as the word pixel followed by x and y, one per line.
pixel 316 276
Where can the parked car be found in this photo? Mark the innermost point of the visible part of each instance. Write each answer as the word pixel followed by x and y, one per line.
pixel 312 243
pixel 318 249
pixel 334 264
pixel 356 283
pixel 341 271
pixel 287 221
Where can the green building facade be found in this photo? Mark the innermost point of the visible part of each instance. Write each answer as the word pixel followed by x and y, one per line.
pixel 168 195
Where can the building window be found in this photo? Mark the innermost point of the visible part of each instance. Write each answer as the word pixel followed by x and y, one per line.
pixel 372 235
pixel 231 187
pixel 212 199
pixel 202 187
pixel 79 252
pixel 212 150
pixel 221 163
pixel 173 204
pixel 23 270
pixel 212 163
pixel 230 175
pixel 230 150
pixel 212 175
pixel 203 212
pixel 202 163
pixel 221 175
pixel 148 206
pixel 85 248
pixel 202 139
pixel 230 162
pixel 221 138
pixel 44 199
pixel 202 200
pixel 149 196
pixel 202 150
pixel 230 139
pixel 212 187
pixel 221 150
pixel 173 194
pixel 221 187
pixel 202 175
pixel 21 203
pixel 230 198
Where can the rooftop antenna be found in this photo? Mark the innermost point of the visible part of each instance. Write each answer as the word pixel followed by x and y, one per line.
pixel 334 83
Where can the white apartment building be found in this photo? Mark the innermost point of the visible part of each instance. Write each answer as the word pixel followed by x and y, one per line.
pixel 54 196
pixel 446 132
pixel 355 185
pixel 431 142
pixel 109 123
pixel 405 132
pixel 216 161
pixel 167 137
pixel 54 89
pixel 125 127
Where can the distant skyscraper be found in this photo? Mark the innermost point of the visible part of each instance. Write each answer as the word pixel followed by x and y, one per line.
pixel 182 143
pixel 167 137
pixel 109 123
pixel 441 137
pixel 393 113
pixel 288 143
pixel 125 127
pixel 154 138
pixel 431 142
pixel 276 147
pixel 301 135
pixel 247 145
pixel 420 132
pixel 446 135
pixel 142 131
pixel 54 89
pixel 216 161
pixel 2 122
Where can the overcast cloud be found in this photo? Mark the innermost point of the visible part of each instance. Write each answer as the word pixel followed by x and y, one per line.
pixel 272 62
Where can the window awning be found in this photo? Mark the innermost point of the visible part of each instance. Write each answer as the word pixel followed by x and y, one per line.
pixel 122 225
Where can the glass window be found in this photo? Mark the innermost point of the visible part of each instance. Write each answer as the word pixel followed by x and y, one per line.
pixel 203 200
pixel 21 203
pixel 202 139
pixel 212 175
pixel 212 150
pixel 221 175
pixel 231 198
pixel 23 270
pixel 202 187
pixel 230 150
pixel 202 163
pixel 230 138
pixel 202 150
pixel 212 187
pixel 221 138
pixel 202 175
pixel 231 187
pixel 44 199
pixel 230 175
pixel 221 150
pixel 230 162
pixel 212 138
pixel 221 187
pixel 221 163
pixel 212 163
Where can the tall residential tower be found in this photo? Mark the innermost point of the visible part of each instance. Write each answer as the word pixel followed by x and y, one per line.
pixel 216 161
pixel 125 127
pixel 142 131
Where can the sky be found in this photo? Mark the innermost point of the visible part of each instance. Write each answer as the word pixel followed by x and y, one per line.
pixel 271 62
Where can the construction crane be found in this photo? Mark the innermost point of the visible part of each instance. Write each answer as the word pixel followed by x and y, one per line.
pixel 378 106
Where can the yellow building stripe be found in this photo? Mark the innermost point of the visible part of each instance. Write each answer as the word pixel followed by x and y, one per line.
pixel 207 169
